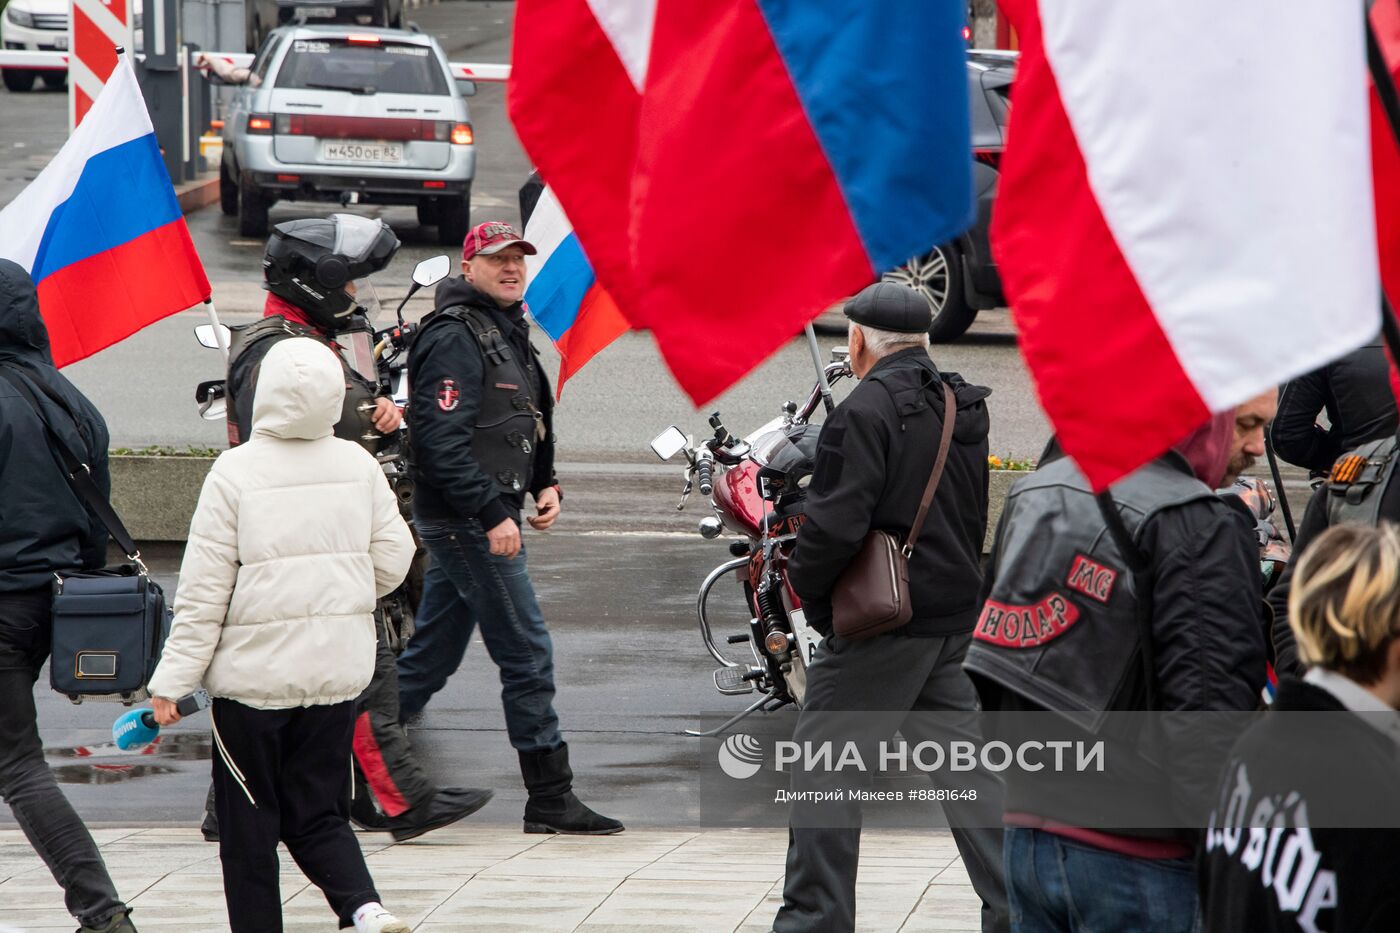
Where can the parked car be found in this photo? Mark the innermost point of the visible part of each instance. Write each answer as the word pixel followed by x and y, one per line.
pixel 332 113
pixel 42 26
pixel 262 16
pixel 960 278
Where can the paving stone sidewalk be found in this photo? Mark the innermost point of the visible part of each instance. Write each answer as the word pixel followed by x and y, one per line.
pixel 495 878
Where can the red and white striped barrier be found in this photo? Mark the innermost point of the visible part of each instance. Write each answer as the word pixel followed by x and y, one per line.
pixel 96 28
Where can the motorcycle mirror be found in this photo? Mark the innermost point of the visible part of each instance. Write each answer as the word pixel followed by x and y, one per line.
pixel 431 271
pixel 209 396
pixel 204 333
pixel 670 442
pixel 428 272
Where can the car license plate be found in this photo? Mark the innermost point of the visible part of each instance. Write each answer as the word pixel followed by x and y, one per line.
pixel 352 150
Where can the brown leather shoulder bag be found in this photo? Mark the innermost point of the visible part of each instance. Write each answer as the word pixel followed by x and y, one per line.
pixel 871 596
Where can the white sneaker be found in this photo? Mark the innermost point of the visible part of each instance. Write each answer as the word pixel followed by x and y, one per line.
pixel 373 918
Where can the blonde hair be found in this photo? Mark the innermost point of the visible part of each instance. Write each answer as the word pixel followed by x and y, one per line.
pixel 1344 606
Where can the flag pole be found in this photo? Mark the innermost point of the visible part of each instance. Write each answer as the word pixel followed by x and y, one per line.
pixel 821 369
pixel 219 337
pixel 1278 483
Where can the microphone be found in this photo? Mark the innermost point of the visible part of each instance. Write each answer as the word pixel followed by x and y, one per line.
pixel 138 728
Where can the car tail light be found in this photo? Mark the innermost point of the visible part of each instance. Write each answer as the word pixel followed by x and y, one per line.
pixel 260 124
pixel 358 39
pixel 434 184
pixel 462 134
pixel 989 157
pixel 289 178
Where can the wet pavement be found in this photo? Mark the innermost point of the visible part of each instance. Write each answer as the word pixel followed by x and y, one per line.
pixel 631 671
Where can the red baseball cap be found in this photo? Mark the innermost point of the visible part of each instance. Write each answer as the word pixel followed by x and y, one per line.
pixel 492 237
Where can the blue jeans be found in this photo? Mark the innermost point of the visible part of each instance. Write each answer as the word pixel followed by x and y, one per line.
pixel 467 586
pixel 48 820
pixel 1057 884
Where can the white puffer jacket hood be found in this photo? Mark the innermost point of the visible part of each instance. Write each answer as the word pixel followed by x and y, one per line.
pixel 295 536
pixel 300 391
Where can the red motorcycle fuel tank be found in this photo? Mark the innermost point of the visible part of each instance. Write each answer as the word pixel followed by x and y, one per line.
pixel 736 496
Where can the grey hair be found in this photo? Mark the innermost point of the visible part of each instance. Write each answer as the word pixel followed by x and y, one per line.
pixel 884 342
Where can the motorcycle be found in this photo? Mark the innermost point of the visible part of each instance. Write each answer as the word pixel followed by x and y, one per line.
pixel 757 490
pixel 380 355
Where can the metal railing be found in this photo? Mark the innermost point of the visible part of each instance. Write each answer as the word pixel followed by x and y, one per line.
pixel 487 73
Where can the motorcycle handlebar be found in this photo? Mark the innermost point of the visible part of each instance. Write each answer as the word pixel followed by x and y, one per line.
pixel 704 473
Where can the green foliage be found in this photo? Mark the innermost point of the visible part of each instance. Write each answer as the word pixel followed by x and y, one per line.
pixel 156 450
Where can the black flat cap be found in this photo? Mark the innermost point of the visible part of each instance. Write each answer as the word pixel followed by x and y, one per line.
pixel 891 306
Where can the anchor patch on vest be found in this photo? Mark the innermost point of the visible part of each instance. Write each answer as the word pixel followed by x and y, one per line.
pixel 1092 579
pixel 448 395
pixel 1025 626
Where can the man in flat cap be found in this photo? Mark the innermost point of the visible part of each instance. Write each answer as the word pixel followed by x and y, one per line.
pixel 874 458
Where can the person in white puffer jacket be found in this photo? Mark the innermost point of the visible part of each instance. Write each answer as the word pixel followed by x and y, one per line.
pixel 295 536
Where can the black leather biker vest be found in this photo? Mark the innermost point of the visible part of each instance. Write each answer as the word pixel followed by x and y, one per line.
pixel 1060 627
pixel 510 421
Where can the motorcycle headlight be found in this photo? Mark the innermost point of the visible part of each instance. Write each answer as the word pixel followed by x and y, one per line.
pixel 20 17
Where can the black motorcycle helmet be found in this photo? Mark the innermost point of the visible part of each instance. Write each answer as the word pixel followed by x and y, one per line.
pixel 310 262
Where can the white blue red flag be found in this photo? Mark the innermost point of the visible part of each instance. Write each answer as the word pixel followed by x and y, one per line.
pixel 732 168
pixel 563 295
pixel 100 230
pixel 1185 216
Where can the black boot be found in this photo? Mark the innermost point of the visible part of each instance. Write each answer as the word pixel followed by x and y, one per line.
pixel 447 807
pixel 120 923
pixel 552 807
pixel 364 814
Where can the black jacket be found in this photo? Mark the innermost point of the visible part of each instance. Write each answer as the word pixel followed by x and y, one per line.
pixel 1208 644
pixel 44 527
pixel 874 457
pixel 1355 393
pixel 450 484
pixel 1340 880
pixel 1315 522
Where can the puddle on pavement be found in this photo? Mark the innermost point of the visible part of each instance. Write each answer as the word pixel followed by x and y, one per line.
pixel 106 764
pixel 106 774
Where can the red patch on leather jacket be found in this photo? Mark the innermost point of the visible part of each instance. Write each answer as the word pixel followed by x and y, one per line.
pixel 448 395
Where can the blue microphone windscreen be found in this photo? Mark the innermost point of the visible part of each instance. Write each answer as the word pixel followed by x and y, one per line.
pixel 132 730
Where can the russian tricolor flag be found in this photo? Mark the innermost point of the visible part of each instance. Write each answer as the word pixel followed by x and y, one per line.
pixel 101 232
pixel 733 168
pixel 563 294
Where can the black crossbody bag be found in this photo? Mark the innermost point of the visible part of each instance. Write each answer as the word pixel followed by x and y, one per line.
pixel 109 625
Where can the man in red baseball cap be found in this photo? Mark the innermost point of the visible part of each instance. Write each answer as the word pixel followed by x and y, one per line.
pixel 482 416
pixel 490 238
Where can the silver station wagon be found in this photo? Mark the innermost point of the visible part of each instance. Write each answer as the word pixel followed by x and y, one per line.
pixel 350 114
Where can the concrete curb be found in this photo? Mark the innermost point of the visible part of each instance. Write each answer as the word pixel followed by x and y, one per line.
pixel 155 496
pixel 201 192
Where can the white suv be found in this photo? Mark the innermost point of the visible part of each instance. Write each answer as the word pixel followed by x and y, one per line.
pixel 42 26
pixel 349 114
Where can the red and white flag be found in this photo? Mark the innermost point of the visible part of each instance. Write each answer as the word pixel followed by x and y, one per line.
pixel 1185 215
